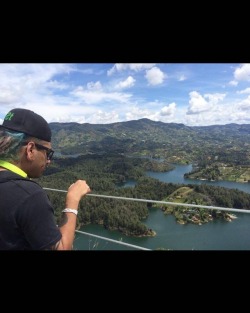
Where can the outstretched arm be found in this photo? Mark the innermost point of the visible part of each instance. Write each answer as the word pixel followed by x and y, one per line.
pixel 68 223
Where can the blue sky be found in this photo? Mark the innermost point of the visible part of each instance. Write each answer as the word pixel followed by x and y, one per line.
pixel 195 94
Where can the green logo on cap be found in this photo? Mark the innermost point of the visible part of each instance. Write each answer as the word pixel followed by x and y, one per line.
pixel 9 116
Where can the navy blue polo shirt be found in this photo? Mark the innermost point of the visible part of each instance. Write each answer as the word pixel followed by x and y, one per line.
pixel 27 220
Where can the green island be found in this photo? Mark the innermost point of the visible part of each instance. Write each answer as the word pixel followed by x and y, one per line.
pixel 220 171
pixel 186 215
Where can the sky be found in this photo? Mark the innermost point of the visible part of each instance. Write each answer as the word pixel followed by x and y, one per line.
pixel 194 94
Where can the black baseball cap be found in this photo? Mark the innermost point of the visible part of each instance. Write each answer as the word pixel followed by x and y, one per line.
pixel 28 122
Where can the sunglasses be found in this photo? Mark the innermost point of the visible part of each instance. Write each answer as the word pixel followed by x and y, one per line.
pixel 49 152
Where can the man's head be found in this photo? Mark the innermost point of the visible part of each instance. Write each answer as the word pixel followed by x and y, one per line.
pixel 27 122
pixel 26 141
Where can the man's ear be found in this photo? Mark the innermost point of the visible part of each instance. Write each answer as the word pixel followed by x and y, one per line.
pixel 30 151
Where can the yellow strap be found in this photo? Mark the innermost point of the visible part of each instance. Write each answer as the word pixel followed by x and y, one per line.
pixel 13 168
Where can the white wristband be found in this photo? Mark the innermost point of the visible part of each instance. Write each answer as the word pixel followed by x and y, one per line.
pixel 70 211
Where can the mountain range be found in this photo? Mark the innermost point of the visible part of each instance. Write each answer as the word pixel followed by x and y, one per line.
pixel 151 138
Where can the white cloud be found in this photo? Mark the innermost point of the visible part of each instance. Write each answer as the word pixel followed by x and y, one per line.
pixel 242 72
pixel 7 96
pixel 94 86
pixel 20 83
pixel 182 78
pixel 247 90
pixel 127 83
pixel 233 83
pixel 53 84
pixel 136 67
pixel 155 76
pixel 101 117
pixel 215 98
pixel 245 104
pixel 168 110
pixel 197 103
pixel 135 113
pixel 30 75
pixel 96 96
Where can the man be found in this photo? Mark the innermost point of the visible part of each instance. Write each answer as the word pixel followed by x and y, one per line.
pixel 27 220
